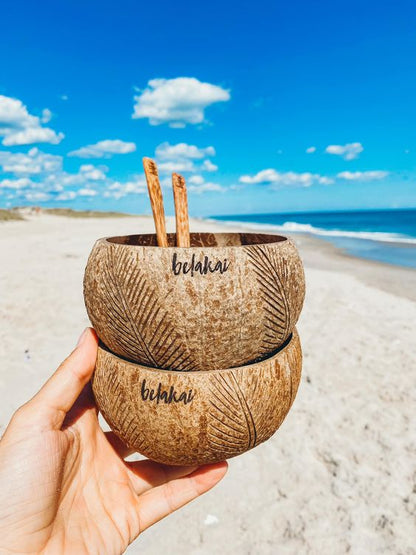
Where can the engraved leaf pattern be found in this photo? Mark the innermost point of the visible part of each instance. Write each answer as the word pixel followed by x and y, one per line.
pixel 272 274
pixel 132 303
pixel 231 427
pixel 116 408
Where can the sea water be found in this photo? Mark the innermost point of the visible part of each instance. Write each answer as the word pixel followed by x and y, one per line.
pixel 384 235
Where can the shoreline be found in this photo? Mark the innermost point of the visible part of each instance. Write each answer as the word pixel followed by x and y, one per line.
pixel 391 278
pixel 316 252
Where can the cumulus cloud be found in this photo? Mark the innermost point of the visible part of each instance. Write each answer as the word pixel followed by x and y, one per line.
pixel 20 183
pixel 208 166
pixel 36 196
pixel 196 179
pixel 19 127
pixel 66 195
pixel 86 192
pixel 104 149
pixel 34 162
pixel 275 178
pixel 205 187
pixel 363 176
pixel 184 158
pixel 118 189
pixel 197 185
pixel 88 171
pixel 40 177
pixel 178 101
pixel 349 151
pixel 166 151
pixel 46 116
pixel 311 150
pixel 180 166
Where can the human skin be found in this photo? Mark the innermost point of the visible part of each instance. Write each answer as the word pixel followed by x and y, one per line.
pixel 65 486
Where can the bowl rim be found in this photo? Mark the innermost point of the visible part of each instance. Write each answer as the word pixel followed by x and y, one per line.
pixel 293 341
pixel 279 240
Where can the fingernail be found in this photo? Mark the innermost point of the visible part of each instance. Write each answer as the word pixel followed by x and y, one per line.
pixel 82 337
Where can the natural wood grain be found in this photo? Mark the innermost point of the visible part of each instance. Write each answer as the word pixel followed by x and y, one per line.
pixel 196 308
pixel 181 211
pixel 156 200
pixel 187 418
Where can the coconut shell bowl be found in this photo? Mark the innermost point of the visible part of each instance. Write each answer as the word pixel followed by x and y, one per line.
pixel 187 418
pixel 199 359
pixel 225 301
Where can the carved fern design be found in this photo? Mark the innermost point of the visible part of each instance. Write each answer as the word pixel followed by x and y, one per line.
pixel 116 406
pixel 231 426
pixel 135 318
pixel 272 273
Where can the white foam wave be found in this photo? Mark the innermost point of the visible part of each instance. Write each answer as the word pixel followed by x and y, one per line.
pixel 296 227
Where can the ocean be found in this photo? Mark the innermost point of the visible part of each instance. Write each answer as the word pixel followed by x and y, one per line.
pixel 384 235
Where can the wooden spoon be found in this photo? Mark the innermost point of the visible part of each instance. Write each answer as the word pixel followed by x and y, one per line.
pixel 181 211
pixel 156 200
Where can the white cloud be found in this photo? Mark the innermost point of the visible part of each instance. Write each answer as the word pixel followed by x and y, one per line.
pixel 88 171
pixel 273 177
pixel 87 192
pixel 349 151
pixel 36 196
pixel 46 115
pixel 66 195
pixel 184 158
pixel 208 166
pixel 196 179
pixel 311 150
pixel 118 189
pixel 166 151
pixel 363 176
pixel 20 183
pixel 104 149
pixel 177 102
pixel 32 135
pixel 205 187
pixel 34 162
pixel 179 166
pixel 324 180
pixel 19 127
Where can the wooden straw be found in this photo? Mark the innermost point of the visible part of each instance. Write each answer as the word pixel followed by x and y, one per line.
pixel 181 211
pixel 156 200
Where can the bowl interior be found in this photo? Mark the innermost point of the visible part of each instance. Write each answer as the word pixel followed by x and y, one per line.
pixel 202 239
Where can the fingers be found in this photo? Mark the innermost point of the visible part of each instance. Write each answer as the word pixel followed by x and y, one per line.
pixel 147 474
pixel 159 502
pixel 62 389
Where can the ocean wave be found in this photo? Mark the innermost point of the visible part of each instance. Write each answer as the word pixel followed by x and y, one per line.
pixel 296 227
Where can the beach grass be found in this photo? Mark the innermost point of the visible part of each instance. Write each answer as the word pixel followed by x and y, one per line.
pixel 7 215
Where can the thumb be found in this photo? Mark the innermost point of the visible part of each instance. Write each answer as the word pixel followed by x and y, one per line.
pixel 60 392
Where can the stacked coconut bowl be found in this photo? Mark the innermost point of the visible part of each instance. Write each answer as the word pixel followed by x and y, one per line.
pixel 199 359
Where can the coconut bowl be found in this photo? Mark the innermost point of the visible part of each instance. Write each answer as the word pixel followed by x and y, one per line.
pixel 187 418
pixel 226 301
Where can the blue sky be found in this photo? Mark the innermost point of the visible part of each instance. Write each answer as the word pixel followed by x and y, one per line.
pixel 230 94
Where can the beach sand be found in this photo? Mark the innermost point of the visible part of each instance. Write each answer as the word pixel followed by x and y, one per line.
pixel 340 474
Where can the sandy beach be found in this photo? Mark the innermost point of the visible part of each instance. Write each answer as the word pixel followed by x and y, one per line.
pixel 338 477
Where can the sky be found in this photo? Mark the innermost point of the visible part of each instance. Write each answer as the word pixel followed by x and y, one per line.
pixel 263 107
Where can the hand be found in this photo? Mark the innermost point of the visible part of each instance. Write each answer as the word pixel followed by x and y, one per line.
pixel 65 487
